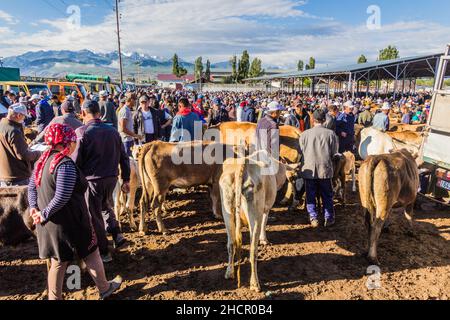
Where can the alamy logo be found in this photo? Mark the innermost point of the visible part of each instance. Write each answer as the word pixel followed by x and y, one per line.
pixel 374 20
pixel 374 280
pixel 74 19
pixel 74 279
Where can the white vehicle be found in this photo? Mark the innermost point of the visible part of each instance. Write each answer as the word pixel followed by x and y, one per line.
pixel 436 147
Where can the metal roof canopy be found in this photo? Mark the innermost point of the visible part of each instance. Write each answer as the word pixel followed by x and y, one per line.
pixel 404 68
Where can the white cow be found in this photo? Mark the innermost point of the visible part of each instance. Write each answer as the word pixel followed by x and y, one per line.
pixel 248 192
pixel 375 142
pixel 125 203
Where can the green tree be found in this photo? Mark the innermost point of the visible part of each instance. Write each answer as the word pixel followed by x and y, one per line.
pixel 256 69
pixel 389 53
pixel 307 67
pixel 208 70
pixel 244 66
pixel 175 65
pixel 312 63
pixel 177 69
pixel 233 63
pixel 362 59
pixel 198 69
pixel 300 65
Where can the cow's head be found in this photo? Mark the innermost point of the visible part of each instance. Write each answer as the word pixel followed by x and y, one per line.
pixel 136 152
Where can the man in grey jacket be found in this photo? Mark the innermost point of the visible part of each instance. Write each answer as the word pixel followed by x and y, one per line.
pixel 319 145
pixel 68 118
pixel 107 110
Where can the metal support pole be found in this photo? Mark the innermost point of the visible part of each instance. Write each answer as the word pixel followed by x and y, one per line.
pixel 118 42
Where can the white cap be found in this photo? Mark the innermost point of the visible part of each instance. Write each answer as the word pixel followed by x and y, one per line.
pixel 386 106
pixel 19 108
pixel 349 104
pixel 274 106
pixel 104 93
pixel 35 97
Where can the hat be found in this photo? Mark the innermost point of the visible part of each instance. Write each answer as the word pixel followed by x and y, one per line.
pixel 386 106
pixel 104 93
pixel 349 104
pixel 143 99
pixel 274 106
pixel 23 100
pixel 67 106
pixel 18 108
pixel 35 97
pixel 320 115
pixel 43 93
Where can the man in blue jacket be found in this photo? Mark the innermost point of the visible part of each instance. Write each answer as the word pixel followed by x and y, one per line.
pixel 249 113
pixel 345 128
pixel 183 128
pixel 44 112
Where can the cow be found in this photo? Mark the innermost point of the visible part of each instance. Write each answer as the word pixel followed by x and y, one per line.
pixel 125 203
pixel 410 137
pixel 234 132
pixel 407 127
pixel 386 182
pixel 159 172
pixel 375 142
pixel 344 164
pixel 16 224
pixel 248 193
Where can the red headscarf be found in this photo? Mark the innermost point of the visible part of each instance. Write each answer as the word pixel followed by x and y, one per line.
pixel 184 111
pixel 56 134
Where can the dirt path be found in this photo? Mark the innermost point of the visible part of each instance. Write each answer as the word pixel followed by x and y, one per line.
pixel 301 263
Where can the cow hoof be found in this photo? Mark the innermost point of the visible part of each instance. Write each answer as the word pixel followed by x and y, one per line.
pixel 373 261
pixel 218 218
pixel 142 233
pixel 165 233
pixel 255 288
pixel 264 243
pixel 229 275
pixel 284 202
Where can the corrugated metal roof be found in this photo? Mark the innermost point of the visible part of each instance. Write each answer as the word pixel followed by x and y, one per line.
pixel 346 69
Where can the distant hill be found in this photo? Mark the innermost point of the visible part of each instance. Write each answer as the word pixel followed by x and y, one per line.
pixel 59 63
pixel 136 65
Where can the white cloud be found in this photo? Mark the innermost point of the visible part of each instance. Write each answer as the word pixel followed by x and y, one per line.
pixel 217 29
pixel 9 19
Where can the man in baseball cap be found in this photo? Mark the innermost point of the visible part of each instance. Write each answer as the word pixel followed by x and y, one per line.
pixel 267 130
pixel 381 120
pixel 15 156
pixel 345 128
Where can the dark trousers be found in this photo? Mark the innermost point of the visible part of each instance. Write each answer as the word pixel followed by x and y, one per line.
pixel 150 138
pixel 99 197
pixel 346 144
pixel 324 189
pixel 128 145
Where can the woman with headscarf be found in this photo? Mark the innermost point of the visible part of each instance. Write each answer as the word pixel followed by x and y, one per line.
pixel 59 211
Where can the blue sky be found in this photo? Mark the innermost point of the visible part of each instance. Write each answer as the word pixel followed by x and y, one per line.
pixel 278 31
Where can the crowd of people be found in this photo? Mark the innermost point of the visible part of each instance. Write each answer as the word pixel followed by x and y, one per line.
pixel 71 183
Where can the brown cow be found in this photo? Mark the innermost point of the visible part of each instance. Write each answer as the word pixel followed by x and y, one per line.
pixel 163 165
pixel 408 137
pixel 344 165
pixel 407 127
pixel 15 221
pixel 385 182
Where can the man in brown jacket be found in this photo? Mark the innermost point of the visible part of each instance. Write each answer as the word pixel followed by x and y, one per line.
pixel 15 157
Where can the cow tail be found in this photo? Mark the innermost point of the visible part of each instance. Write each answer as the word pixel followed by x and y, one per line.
pixel 370 196
pixel 239 180
pixel 144 177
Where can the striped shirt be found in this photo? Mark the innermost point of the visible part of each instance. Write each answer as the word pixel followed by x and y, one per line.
pixel 66 178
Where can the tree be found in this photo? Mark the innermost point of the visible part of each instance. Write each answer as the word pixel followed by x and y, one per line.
pixel 312 63
pixel 300 65
pixel 388 53
pixel 177 70
pixel 208 70
pixel 175 65
pixel 256 69
pixel 244 66
pixel 233 63
pixel 307 67
pixel 198 69
pixel 362 59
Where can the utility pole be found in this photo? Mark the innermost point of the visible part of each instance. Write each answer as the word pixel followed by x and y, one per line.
pixel 118 42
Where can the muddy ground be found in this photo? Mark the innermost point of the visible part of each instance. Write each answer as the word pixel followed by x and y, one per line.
pixel 301 263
